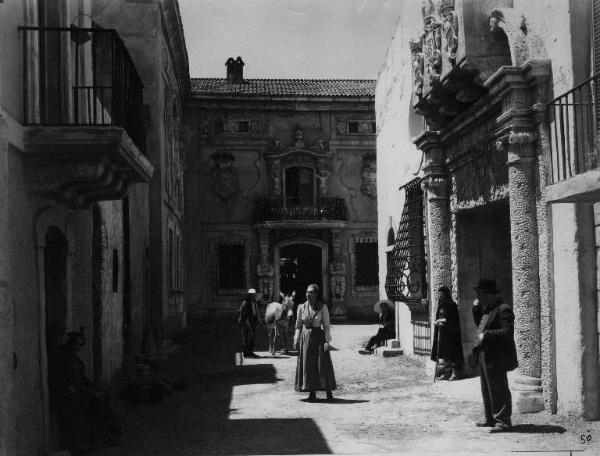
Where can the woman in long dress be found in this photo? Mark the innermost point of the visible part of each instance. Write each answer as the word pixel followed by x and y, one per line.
pixel 314 370
pixel 447 344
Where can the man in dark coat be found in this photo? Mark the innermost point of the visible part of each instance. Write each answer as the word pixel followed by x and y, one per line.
pixel 496 354
pixel 447 342
pixel 248 319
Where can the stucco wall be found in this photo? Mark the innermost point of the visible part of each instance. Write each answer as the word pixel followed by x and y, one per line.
pixel 146 41
pixel 569 351
pixel 24 404
pixel 398 159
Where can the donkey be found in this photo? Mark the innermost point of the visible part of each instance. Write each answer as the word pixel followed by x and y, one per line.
pixel 277 318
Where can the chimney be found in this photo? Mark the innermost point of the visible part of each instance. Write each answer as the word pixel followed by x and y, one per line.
pixel 235 70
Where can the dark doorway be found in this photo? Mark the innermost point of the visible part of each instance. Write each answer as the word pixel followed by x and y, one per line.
pixel 483 250
pixel 55 279
pixel 299 186
pixel 299 266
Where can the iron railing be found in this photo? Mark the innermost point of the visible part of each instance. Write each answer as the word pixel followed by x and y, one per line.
pixel 81 76
pixel 574 131
pixel 280 209
pixel 406 278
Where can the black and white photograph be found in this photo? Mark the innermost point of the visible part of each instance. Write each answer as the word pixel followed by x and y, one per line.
pixel 299 227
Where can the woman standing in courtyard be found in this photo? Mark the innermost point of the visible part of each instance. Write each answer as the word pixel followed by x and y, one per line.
pixel 314 370
pixel 447 345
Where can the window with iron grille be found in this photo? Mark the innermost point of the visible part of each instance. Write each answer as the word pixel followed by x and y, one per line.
pixel 406 279
pixel 230 266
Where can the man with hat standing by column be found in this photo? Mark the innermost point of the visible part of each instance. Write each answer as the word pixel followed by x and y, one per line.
pixel 496 354
pixel 248 319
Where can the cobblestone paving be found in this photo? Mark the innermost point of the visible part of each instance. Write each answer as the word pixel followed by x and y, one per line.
pixel 383 405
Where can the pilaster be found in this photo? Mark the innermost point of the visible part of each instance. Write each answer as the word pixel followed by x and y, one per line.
pixel 264 269
pixel 337 276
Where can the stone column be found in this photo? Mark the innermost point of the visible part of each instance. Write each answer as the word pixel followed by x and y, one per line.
pixel 436 186
pixel 337 277
pixel 525 267
pixel 264 269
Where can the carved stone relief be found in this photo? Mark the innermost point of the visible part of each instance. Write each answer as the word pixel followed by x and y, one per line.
pixel 416 50
pixel 482 179
pixel 225 176
pixel 432 42
pixel 369 176
pixel 450 30
pixel 438 42
pixel 337 280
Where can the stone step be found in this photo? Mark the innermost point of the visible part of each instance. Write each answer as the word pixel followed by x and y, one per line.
pixel 390 352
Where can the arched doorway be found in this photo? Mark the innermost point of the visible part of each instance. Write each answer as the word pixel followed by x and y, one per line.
pixel 56 251
pixel 299 264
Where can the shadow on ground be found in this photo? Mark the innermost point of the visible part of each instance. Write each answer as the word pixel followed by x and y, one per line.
pixel 538 429
pixel 199 419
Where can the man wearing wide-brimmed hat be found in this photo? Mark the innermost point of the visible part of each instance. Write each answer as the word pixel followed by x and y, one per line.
pixel 248 319
pixel 387 317
pixel 496 354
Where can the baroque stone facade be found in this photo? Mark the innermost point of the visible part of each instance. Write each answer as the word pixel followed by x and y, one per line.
pixel 299 186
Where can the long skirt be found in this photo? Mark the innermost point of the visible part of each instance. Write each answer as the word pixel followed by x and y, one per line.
pixel 314 370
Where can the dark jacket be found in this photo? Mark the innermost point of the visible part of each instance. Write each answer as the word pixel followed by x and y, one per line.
pixel 498 342
pixel 388 320
pixel 448 335
pixel 246 314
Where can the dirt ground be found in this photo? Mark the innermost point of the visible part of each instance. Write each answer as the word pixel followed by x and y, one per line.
pixel 383 405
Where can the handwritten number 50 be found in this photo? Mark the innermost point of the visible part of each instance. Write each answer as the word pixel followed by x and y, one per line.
pixel 585 438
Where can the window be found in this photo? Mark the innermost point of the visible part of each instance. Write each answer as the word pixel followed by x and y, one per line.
pixel 242 126
pixel 299 186
pixel 367 264
pixel 353 127
pixel 373 128
pixel 407 267
pixel 218 126
pixel 230 258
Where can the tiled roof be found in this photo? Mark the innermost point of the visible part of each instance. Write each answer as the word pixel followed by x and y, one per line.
pixel 285 87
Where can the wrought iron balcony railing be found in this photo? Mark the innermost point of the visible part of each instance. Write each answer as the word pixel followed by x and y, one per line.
pixel 574 131
pixel 81 76
pixel 279 209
